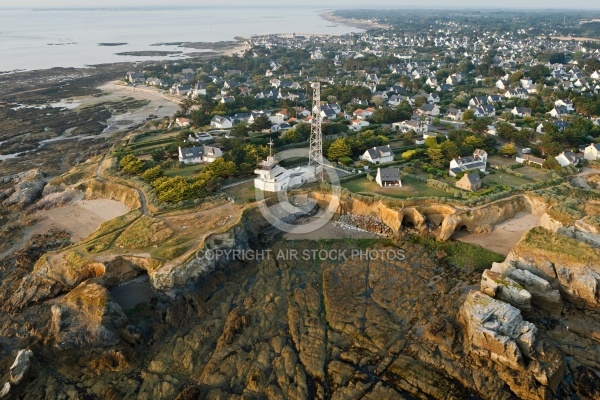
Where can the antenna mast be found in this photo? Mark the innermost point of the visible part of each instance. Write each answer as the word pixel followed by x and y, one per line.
pixel 315 154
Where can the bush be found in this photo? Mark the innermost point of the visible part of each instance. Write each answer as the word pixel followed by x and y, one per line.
pixel 345 161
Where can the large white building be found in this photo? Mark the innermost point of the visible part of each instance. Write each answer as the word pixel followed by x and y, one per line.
pixel 272 177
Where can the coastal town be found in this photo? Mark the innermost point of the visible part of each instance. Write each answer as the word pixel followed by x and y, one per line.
pixel 445 102
pixel 410 210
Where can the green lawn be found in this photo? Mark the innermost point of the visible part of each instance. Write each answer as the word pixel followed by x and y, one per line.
pixel 535 173
pixel 244 193
pixel 502 178
pixel 156 136
pixel 501 161
pixel 410 188
pixel 187 171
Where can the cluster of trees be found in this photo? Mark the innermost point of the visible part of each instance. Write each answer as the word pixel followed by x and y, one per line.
pixel 460 143
pixel 353 146
pixel 389 115
pixel 239 160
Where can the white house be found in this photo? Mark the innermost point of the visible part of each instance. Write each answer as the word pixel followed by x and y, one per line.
pixel 358 124
pixel 379 155
pixel 411 125
pixel 521 111
pixel 477 161
pixel 564 103
pixel 220 122
pixel 454 114
pixel 592 152
pixel 199 154
pixel 388 177
pixel 567 158
pixel 429 109
pixel 559 111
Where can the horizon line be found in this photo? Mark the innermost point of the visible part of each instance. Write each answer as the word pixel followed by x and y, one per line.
pixel 339 7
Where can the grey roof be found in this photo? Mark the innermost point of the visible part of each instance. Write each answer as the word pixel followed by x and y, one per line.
pixel 189 153
pixel 389 174
pixel 473 178
pixel 596 145
pixel 377 152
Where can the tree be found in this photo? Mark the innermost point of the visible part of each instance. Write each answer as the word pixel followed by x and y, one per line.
pixel 516 77
pixel 260 123
pixel 437 156
pixel 152 174
pixel 409 154
pixel 158 155
pixel 291 136
pixel 419 101
pixel 408 138
pixel 131 164
pixel 468 115
pixel 450 150
pixel 505 131
pixel 431 142
pixel 378 100
pixel 338 149
pixel 551 163
pixel 240 130
pixel 480 124
pixel 508 150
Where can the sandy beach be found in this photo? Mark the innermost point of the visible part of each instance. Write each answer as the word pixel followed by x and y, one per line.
pixel 80 218
pixel 504 236
pixel 357 23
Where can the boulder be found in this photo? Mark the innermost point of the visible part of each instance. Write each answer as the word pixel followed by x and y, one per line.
pixel 496 330
pixel 502 287
pixel 21 366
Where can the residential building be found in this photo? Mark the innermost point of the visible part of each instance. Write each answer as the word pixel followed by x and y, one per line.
pixel 379 155
pixel 199 154
pixel 388 177
pixel 462 164
pixel 470 182
pixel 592 152
pixel 567 158
pixel 221 122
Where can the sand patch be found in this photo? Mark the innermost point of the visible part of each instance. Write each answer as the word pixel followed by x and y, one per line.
pixel 80 218
pixel 504 236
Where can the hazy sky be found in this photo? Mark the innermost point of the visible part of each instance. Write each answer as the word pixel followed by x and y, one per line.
pixel 561 4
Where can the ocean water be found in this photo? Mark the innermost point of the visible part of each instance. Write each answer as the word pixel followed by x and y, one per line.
pixel 68 37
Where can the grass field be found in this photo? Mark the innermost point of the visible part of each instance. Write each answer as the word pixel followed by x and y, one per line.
pixel 501 161
pixel 243 193
pixel 410 188
pixel 157 136
pixel 502 178
pixel 535 173
pixel 187 171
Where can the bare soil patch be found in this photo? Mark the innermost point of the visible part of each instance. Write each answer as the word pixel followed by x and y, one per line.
pixel 504 236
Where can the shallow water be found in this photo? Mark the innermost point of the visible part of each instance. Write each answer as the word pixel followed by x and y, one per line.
pixel 69 37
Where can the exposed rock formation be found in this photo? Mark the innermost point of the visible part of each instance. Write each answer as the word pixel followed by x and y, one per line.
pixel 19 371
pixel 496 330
pixel 218 248
pixel 570 265
pixel 87 317
pixel 28 187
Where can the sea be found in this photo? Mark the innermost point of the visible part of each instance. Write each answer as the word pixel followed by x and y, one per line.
pixel 41 38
